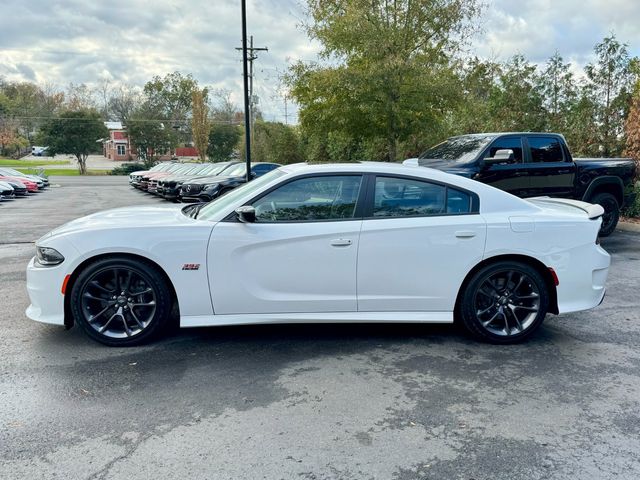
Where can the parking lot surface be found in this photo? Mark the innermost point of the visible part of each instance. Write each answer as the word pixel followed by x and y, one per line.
pixel 312 401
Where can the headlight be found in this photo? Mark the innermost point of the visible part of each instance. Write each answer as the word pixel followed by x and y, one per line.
pixel 47 257
pixel 213 186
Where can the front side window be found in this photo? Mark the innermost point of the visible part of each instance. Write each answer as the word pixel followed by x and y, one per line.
pixel 401 197
pixel 545 149
pixel 507 143
pixel 311 199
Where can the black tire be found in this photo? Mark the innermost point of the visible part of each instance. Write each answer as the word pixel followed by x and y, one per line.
pixel 611 212
pixel 129 298
pixel 511 289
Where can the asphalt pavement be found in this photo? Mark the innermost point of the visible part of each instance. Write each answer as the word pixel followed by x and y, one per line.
pixel 312 401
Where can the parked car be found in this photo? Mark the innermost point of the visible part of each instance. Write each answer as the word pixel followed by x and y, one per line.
pixel 535 164
pixel 150 177
pixel 31 187
pixel 156 186
pixel 136 177
pixel 359 242
pixel 42 182
pixel 19 188
pixel 6 191
pixel 169 187
pixel 206 189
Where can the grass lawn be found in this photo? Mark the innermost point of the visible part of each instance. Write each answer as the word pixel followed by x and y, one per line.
pixel 72 172
pixel 9 162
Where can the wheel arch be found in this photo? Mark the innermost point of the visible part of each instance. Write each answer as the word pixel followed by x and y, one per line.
pixel 68 317
pixel 608 184
pixel 531 261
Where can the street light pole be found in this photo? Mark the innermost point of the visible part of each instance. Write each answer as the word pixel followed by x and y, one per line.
pixel 247 113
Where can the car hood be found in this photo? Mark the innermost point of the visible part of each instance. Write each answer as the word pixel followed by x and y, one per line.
pixel 211 180
pixel 127 217
pixel 442 165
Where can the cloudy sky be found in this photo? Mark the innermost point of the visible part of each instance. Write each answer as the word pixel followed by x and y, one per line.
pixel 129 41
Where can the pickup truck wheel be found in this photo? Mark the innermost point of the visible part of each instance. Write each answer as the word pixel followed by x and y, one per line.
pixel 611 212
pixel 504 302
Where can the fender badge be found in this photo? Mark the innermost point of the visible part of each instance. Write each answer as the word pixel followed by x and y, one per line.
pixel 191 266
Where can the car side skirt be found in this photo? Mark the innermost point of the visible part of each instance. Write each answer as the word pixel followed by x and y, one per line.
pixel 332 317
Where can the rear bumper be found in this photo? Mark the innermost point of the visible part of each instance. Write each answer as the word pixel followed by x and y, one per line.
pixel 583 278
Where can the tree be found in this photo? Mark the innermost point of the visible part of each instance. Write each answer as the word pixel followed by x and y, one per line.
pixel 200 125
pixel 390 76
pixel 222 107
pixel 275 142
pixel 79 97
pixel 610 78
pixel 123 102
pixel 223 140
pixel 559 91
pixel 516 105
pixel 170 98
pixel 150 136
pixel 75 132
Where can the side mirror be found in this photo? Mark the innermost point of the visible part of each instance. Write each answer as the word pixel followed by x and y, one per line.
pixel 246 214
pixel 254 174
pixel 500 156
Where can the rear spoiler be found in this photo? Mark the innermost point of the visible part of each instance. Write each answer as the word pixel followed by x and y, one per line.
pixel 593 210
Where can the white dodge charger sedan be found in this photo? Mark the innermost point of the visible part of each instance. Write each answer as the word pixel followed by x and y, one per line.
pixel 360 242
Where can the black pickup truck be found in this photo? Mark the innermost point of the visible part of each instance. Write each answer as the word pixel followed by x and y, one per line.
pixel 536 164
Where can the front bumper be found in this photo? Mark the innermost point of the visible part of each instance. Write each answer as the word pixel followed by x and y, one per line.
pixel 44 289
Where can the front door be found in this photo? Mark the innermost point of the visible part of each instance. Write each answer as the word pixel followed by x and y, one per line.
pixel 298 257
pixel 510 175
pixel 417 244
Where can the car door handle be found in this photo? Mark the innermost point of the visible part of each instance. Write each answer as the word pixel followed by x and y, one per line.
pixel 520 174
pixel 563 171
pixel 465 234
pixel 340 242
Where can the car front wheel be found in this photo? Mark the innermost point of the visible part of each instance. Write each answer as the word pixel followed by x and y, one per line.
pixel 121 301
pixel 504 303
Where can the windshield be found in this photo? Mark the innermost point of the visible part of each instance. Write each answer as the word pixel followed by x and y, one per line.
pixel 11 171
pixel 458 149
pixel 238 170
pixel 212 208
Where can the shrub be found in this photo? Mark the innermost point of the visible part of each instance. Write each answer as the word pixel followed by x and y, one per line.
pixel 127 168
pixel 633 210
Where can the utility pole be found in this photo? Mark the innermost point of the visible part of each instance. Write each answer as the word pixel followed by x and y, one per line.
pixel 251 56
pixel 247 126
pixel 286 114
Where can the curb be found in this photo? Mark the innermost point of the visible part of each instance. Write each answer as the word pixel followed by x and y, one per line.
pixel 628 227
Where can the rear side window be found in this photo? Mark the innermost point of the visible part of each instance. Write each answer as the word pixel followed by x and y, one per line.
pixel 545 149
pixel 507 143
pixel 401 197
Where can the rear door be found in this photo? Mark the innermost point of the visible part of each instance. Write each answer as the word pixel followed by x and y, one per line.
pixel 419 240
pixel 551 171
pixel 510 175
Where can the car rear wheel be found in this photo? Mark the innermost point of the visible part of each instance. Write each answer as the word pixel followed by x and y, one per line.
pixel 611 212
pixel 504 303
pixel 121 301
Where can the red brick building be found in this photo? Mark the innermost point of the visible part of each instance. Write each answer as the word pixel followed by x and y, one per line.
pixel 119 148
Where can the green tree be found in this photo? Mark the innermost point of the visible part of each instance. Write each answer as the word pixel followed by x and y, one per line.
pixel 150 136
pixel 516 105
pixel 76 132
pixel 559 91
pixel 170 98
pixel 275 142
pixel 223 140
pixel 390 75
pixel 610 80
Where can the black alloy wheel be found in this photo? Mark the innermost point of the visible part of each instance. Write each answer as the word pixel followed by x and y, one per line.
pixel 121 301
pixel 505 302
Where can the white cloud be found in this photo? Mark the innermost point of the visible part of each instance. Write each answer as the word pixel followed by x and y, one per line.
pixel 129 41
